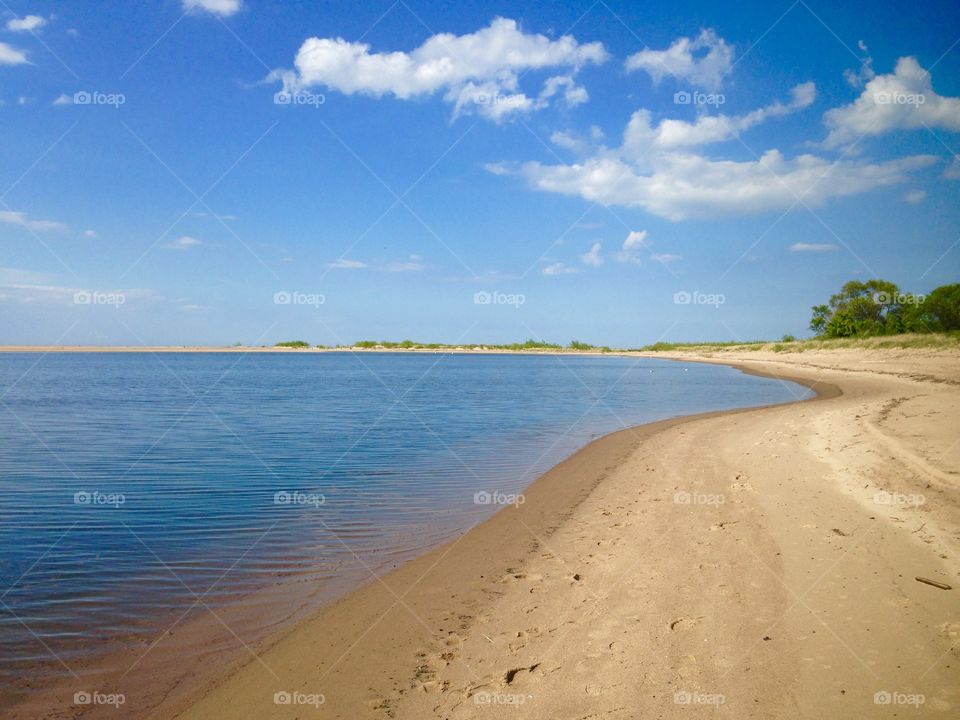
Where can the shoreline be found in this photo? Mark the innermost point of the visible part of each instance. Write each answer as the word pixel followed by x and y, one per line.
pixel 545 485
pixel 373 663
pixel 433 637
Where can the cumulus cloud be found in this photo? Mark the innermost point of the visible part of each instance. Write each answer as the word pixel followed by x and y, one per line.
pixel 681 186
pixel 592 257
pixel 11 217
pixel 640 135
pixel 813 247
pixel 182 243
pixel 657 169
pixel 10 55
pixel 62 99
pixel 702 61
pixel 915 197
pixel 28 23
pixel 902 100
pixel 478 71
pixel 223 8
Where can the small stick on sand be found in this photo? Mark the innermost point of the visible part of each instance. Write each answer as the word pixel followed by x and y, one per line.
pixel 928 581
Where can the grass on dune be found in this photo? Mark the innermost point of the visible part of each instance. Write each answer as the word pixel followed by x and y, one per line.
pixel 933 341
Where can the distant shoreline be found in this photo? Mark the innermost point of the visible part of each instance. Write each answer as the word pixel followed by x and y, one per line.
pixel 474 350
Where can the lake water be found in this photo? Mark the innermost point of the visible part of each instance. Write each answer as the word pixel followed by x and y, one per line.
pixel 131 484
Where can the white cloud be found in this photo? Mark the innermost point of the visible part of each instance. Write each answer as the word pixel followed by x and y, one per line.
pixel 10 55
pixel 568 141
pixel 903 100
pixel 20 218
pixel 915 197
pixel 703 60
pixel 479 71
pixel 572 93
pixel 90 234
pixel 656 169
pixel 345 264
pixel 63 99
pixel 182 243
pixel 634 242
pixel 681 186
pixel 640 135
pixel 665 258
pixel 558 268
pixel 223 8
pixel 858 78
pixel 813 247
pixel 29 23
pixel 592 257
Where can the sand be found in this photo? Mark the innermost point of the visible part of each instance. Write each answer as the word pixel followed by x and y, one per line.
pixel 754 564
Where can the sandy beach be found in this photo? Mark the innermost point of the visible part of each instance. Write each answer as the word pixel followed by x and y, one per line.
pixel 754 564
pixel 760 563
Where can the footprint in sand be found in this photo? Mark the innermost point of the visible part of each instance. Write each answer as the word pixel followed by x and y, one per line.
pixel 685 623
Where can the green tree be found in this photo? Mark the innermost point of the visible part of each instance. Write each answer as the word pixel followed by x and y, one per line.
pixel 860 308
pixel 942 306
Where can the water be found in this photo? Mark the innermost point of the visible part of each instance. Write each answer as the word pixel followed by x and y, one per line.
pixel 131 484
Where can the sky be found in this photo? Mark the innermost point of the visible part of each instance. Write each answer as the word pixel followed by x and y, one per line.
pixel 181 172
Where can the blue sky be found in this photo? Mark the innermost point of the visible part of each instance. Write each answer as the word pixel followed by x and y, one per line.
pixel 220 171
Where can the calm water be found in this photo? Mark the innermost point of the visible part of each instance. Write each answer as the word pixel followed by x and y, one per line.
pixel 129 482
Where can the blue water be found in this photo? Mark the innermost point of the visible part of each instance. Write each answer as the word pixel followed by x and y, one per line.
pixel 129 482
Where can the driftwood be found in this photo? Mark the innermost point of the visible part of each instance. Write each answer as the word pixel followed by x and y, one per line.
pixel 935 583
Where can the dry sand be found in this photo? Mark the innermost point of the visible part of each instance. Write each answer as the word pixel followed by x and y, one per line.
pixel 755 564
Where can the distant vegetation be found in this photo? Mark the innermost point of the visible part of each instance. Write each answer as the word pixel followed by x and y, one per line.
pixel 879 307
pixel 531 344
pixel 871 314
